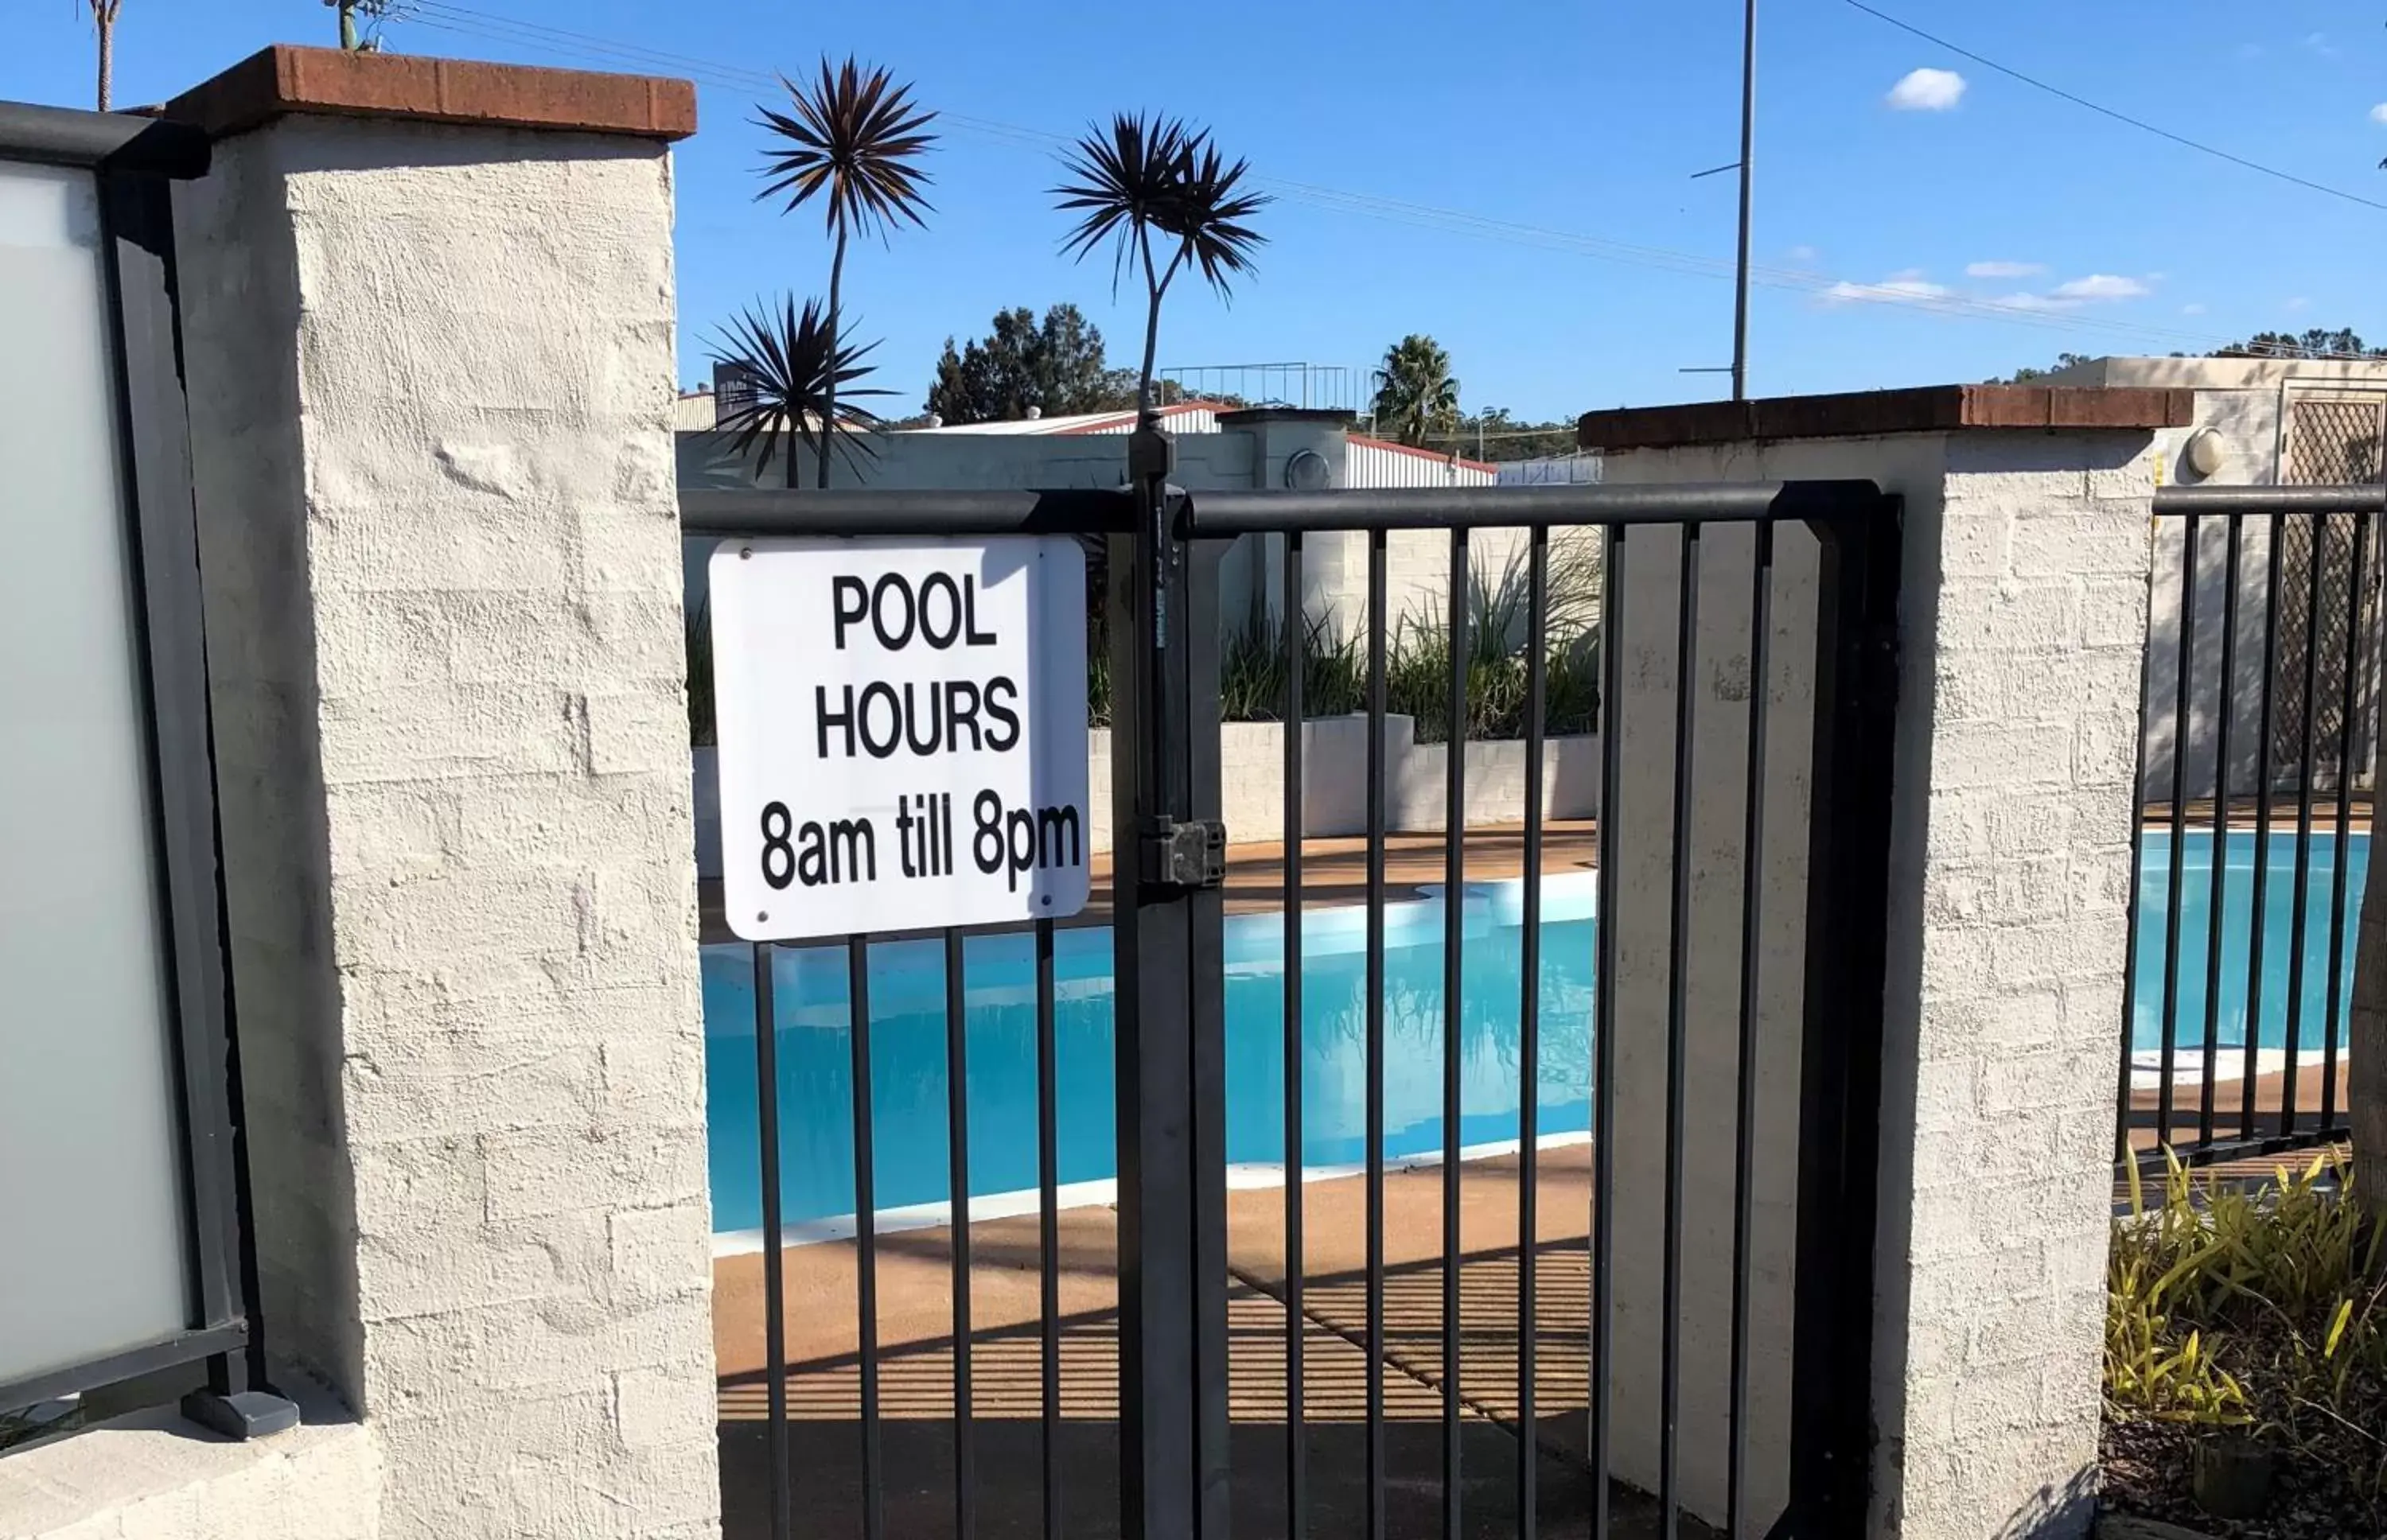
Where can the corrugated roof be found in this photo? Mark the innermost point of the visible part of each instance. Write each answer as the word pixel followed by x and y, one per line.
pixel 1435 455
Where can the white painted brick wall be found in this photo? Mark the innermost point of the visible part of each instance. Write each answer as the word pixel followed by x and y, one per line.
pixel 2023 691
pixel 430 380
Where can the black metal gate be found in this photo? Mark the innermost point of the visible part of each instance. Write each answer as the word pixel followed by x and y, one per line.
pixel 1725 1046
pixel 2257 791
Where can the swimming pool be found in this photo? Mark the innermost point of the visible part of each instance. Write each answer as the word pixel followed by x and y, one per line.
pixel 2238 937
pixel 908 1051
pixel 908 1032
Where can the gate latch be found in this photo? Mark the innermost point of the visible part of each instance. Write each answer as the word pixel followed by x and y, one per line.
pixel 1184 855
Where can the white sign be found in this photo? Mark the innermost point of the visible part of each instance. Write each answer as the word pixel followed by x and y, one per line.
pixel 903 733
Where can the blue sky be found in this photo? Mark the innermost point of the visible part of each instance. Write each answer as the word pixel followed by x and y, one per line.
pixel 1579 124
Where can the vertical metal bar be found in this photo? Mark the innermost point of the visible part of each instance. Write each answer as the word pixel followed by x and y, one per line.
pixel 1453 941
pixel 1297 654
pixel 1167 960
pixel 1670 1370
pixel 2132 914
pixel 2289 1108
pixel 1048 1230
pixel 2345 735
pixel 865 1232
pixel 2179 725
pixel 2263 772
pixel 2220 831
pixel 958 1185
pixel 1840 1084
pixel 162 544
pixel 1374 1051
pixel 775 1303
pixel 1752 845
pixel 1529 1026
pixel 1603 1091
pixel 1204 912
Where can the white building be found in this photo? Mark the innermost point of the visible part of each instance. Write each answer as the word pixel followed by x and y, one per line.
pixel 1218 448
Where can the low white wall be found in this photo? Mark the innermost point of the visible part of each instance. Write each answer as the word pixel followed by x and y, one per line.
pixel 145 1475
pixel 1335 779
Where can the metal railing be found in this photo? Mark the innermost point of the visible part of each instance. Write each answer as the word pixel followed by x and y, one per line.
pixel 1177 1472
pixel 129 162
pixel 2260 719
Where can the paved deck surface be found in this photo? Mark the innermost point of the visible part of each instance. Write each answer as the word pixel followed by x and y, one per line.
pixel 915 1338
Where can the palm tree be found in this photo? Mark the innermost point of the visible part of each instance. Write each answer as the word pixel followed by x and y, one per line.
pixel 853 138
pixel 1155 174
pixel 1417 395
pixel 793 367
pixel 103 16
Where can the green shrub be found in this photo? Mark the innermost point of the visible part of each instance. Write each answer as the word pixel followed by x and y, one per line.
pixel 2255 1309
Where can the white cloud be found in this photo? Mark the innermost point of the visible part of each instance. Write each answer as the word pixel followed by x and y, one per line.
pixel 2192 307
pixel 1903 287
pixel 1802 254
pixel 1927 91
pixel 2004 270
pixel 2298 303
pixel 2039 302
pixel 2101 285
pixel 2319 44
pixel 2379 113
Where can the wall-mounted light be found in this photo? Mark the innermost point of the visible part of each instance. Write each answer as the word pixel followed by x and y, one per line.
pixel 1306 470
pixel 2204 453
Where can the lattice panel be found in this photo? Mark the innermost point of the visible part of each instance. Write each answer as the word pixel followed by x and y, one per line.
pixel 2330 443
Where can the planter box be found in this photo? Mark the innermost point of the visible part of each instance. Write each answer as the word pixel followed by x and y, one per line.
pixel 1335 779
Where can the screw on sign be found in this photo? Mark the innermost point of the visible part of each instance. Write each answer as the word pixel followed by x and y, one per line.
pixel 903 732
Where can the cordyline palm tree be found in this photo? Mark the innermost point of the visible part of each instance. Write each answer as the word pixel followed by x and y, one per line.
pixel 795 370
pixel 852 141
pixel 1418 395
pixel 1154 177
pixel 103 17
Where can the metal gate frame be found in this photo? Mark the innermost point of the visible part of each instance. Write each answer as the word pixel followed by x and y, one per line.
pixel 2189 1119
pixel 1169 915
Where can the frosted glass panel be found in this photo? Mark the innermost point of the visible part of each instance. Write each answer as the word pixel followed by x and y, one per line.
pixel 91 1245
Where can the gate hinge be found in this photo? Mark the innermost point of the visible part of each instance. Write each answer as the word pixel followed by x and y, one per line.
pixel 1184 855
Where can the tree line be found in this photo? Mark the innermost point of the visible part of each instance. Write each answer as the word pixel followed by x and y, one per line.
pixel 2314 341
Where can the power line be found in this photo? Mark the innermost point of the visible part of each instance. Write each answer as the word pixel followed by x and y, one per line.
pixel 2103 111
pixel 445 16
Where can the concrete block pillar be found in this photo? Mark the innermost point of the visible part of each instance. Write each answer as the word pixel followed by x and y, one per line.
pixel 2023 614
pixel 429 331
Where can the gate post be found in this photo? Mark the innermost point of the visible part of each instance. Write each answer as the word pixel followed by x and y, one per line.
pixel 2022 619
pixel 1168 865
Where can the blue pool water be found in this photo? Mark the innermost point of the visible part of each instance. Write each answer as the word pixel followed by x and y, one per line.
pixel 907 1063
pixel 908 1031
pixel 2237 938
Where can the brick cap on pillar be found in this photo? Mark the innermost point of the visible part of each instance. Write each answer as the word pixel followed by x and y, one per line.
pixel 1870 413
pixel 284 79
